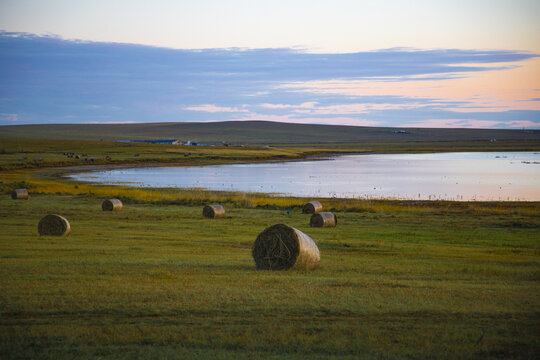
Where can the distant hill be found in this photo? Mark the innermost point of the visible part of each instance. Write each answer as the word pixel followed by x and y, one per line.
pixel 261 132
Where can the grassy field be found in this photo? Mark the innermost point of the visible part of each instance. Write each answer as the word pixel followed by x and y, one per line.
pixel 17 153
pixel 160 281
pixel 398 279
pixel 265 132
pixel 21 153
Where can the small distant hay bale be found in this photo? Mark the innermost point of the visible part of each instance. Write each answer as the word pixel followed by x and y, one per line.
pixel 213 211
pixel 281 247
pixel 312 207
pixel 19 194
pixel 323 219
pixel 54 225
pixel 112 205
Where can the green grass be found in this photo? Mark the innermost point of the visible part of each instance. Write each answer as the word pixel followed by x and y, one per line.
pixel 398 279
pixel 30 153
pixel 22 153
pixel 158 280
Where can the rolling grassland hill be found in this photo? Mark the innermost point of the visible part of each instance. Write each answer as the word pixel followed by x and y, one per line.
pixel 263 132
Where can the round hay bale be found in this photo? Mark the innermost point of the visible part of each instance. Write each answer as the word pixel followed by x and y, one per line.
pixel 312 207
pixel 323 219
pixel 214 211
pixel 19 194
pixel 281 247
pixel 112 205
pixel 54 225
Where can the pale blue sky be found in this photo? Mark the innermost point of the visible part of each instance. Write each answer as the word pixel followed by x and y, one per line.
pixel 318 25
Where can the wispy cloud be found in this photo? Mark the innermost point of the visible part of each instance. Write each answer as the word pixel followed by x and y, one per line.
pixel 9 118
pixel 48 79
pixel 214 109
pixel 306 105
pixel 462 123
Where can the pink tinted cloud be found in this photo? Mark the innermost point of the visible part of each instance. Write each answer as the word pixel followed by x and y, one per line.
pixel 452 123
pixel 306 105
pixel 524 124
pixel 351 109
pixel 214 109
pixel 9 117
pixel 507 88
pixel 312 108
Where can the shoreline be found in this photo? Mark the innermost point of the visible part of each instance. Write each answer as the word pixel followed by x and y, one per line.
pixel 310 157
pixel 365 195
pixel 62 171
pixel 53 174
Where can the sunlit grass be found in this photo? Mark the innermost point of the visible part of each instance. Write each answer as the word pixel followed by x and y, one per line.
pixel 39 185
pixel 37 153
pixel 159 278
pixel 398 279
pixel 39 177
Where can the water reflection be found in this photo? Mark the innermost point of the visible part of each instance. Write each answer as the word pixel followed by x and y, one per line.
pixel 449 176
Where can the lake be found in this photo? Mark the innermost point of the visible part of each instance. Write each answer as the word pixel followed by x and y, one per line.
pixel 462 176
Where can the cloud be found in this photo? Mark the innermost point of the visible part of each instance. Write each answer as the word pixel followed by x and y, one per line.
pixel 362 108
pixel 471 123
pixel 214 109
pixel 9 117
pixel 49 79
pixel 524 124
pixel 450 123
pixel 306 105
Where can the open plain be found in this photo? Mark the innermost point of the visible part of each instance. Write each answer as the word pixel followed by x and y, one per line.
pixel 398 279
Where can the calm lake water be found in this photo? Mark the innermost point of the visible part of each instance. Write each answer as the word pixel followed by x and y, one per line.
pixel 449 176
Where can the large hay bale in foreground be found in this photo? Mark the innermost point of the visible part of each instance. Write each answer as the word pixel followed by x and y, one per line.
pixel 214 211
pixel 19 194
pixel 312 207
pixel 112 205
pixel 54 225
pixel 323 219
pixel 281 247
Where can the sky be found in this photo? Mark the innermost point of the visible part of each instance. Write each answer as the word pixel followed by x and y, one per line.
pixel 368 63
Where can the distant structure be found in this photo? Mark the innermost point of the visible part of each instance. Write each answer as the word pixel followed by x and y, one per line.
pixel 165 141
pixel 157 141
